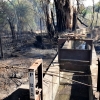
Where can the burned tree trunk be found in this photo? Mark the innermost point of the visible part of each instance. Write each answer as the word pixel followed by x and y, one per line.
pixel 1 47
pixel 13 33
pixel 66 16
pixel 64 13
pixel 50 20
pixel 74 20
pixel 12 29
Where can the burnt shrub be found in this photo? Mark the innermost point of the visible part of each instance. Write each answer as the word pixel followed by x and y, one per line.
pixel 39 38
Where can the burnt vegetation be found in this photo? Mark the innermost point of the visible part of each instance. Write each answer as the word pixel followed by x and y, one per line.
pixel 30 29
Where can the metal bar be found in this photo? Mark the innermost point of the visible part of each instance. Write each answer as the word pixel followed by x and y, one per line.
pixel 98 80
pixel 99 95
pixel 40 79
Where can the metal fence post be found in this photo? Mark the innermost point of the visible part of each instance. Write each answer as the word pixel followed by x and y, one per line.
pixel 98 80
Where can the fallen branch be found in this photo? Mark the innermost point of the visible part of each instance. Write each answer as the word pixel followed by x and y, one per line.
pixel 82 22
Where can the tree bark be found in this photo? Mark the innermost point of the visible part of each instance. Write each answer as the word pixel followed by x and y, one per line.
pixel 1 47
pixel 66 18
pixel 74 21
pixel 92 16
pixel 50 21
pixel 12 29
pixel 64 13
pixel 97 13
pixel 13 33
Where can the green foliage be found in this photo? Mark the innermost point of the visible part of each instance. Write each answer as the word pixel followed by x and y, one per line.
pixel 81 8
pixel 3 14
pixel 87 11
pixel 97 7
pixel 22 13
pixel 84 12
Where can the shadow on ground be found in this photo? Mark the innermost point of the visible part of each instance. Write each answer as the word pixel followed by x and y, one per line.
pixel 80 91
pixel 20 94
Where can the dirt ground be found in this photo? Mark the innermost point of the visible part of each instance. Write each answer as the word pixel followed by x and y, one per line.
pixel 14 70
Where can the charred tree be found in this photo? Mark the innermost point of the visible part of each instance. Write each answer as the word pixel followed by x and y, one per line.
pixel 50 20
pixel 66 16
pixel 1 47
pixel 64 13
pixel 74 20
pixel 12 28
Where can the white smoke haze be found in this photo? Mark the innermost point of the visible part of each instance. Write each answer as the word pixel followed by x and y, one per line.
pixel 89 2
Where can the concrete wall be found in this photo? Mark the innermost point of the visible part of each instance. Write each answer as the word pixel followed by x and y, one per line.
pixel 51 81
pixel 94 72
pixel 74 59
pixel 90 89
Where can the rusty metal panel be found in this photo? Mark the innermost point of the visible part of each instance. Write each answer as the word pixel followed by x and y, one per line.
pixel 74 58
pixel 75 54
pixel 88 41
pixel 74 66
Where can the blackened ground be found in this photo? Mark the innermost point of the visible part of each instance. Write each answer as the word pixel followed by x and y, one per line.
pixel 22 59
